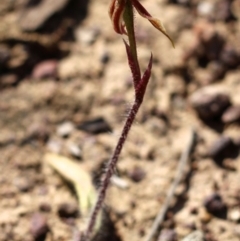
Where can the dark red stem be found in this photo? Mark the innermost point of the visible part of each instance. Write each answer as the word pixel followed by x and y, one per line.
pixel 111 167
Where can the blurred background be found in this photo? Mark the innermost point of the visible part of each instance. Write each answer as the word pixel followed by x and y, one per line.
pixel 66 88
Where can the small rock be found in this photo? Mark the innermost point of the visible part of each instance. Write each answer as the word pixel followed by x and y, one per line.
pixel 209 103
pixel 32 18
pixel 95 126
pixel 213 43
pixel 231 114
pixel 222 148
pixel 215 205
pixel 119 182
pixel 87 36
pixel 216 70
pixel 45 207
pixel 195 236
pixel 167 235
pixel 204 216
pixel 219 146
pixel 137 174
pixel 23 184
pixel 65 129
pixel 234 214
pixel 205 8
pixel 39 227
pixel 39 131
pixel 230 57
pixel 54 146
pixel 222 10
pixel 105 57
pixel 68 210
pixel 75 150
pixel 45 69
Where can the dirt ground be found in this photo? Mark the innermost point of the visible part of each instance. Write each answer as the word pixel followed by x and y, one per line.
pixel 65 88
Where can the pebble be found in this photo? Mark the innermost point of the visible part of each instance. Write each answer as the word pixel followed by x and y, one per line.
pixel 34 17
pixel 167 235
pixel 68 210
pixel 95 126
pixel 215 205
pixel 39 227
pixel 137 174
pixel 205 8
pixel 219 146
pixel 194 236
pixel 222 148
pixel 119 182
pixel 45 69
pixel 75 150
pixel 216 71
pixel 230 57
pixel 45 207
pixel 231 114
pixel 39 131
pixel 234 214
pixel 65 129
pixel 213 46
pixel 23 184
pixel 105 57
pixel 87 36
pixel 222 10
pixel 209 103
pixel 54 146
pixel 204 216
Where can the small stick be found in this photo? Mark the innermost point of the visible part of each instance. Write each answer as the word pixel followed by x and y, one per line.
pixel 182 163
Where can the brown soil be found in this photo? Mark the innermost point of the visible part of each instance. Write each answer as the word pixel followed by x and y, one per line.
pixel 69 66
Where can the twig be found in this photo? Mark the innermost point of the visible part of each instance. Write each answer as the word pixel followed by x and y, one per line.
pixel 182 163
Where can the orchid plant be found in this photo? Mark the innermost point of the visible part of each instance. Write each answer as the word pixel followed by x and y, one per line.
pixel 121 13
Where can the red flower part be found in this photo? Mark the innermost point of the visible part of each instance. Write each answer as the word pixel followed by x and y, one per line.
pixel 116 11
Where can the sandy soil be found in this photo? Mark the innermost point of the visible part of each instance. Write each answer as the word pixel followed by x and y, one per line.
pixel 66 88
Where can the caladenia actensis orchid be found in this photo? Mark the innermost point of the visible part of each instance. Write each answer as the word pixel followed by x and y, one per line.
pixel 122 15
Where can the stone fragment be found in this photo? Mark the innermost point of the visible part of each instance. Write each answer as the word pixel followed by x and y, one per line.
pixel 75 150
pixel 39 227
pixel 167 235
pixel 23 184
pixel 95 126
pixel 137 174
pixel 231 114
pixel 209 103
pixel 205 8
pixel 65 129
pixel 33 17
pixel 215 205
pixel 68 210
pixel 222 148
pixel 194 236
pixel 45 69
pixel 222 10
pixel 234 214
pixel 230 57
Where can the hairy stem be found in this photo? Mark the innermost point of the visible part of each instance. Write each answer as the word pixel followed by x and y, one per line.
pixel 111 167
